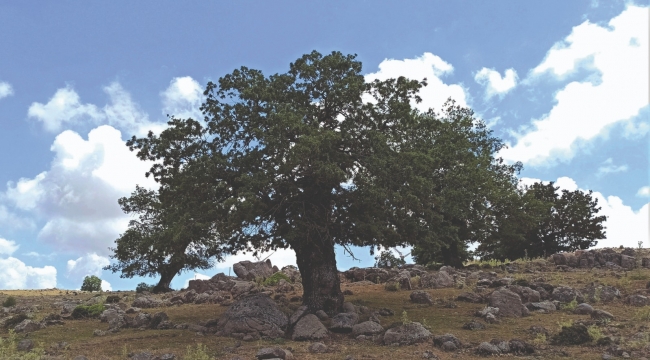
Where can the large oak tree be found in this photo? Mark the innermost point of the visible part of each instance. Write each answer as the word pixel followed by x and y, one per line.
pixel 318 157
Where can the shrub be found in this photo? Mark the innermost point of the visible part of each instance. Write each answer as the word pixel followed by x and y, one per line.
pixel 8 349
pixel 142 287
pixel 575 334
pixel 112 299
pixel 594 332
pixel 15 320
pixel 92 283
pixel 275 279
pixel 388 260
pixel 87 311
pixel 570 306
pixel 9 301
pixel 392 286
pixel 198 353
pixel 405 318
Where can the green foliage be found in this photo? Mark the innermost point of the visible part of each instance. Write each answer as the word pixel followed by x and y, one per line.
pixel 392 286
pixel 275 278
pixel 405 318
pixel 575 334
pixel 540 339
pixel 92 283
pixel 570 306
pixel 537 221
pixel 388 260
pixel 112 299
pixel 594 332
pixel 87 311
pixel 142 287
pixel 15 320
pixel 9 301
pixel 200 352
pixel 8 349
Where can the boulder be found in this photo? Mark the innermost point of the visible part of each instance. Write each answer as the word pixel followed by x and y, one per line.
pixel 600 293
pixel 473 325
pixel 583 309
pixel 274 353
pixel 242 288
pixel 598 314
pixel 146 302
pixel 441 279
pixel 542 306
pixel 421 297
pixel 292 273
pixel 520 347
pixel 487 349
pixel 440 340
pixel 470 297
pixel 317 348
pixel 255 315
pixel 283 287
pixel 508 302
pixel 565 294
pixel 309 328
pixel 141 320
pixel 25 345
pixel 403 278
pixel 406 334
pixel 114 317
pixel 637 300
pixel 249 271
pixel 343 322
pixel 28 326
pixel 525 293
pixel 628 262
pixel 367 328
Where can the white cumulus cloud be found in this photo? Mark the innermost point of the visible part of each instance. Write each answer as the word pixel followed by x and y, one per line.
pixel 644 191
pixel 66 109
pixel 8 247
pixel 14 274
pixel 183 98
pixel 5 89
pixel 106 286
pixel 494 83
pixel 427 66
pixel 87 265
pixel 77 196
pixel 608 167
pixel 618 54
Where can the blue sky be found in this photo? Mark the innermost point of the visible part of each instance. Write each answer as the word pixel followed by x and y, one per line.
pixel 565 84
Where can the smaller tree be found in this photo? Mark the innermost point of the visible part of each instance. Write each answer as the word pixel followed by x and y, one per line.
pixel 92 283
pixel 388 260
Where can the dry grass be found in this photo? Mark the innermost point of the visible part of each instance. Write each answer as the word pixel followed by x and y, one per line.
pixel 440 318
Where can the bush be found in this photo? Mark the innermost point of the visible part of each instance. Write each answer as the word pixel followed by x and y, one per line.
pixel 575 334
pixel 9 301
pixel 112 299
pixel 392 286
pixel 275 279
pixel 88 311
pixel 92 283
pixel 388 260
pixel 198 353
pixel 142 287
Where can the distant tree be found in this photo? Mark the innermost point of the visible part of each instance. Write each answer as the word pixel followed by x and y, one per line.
pixel 540 222
pixel 142 287
pixel 388 260
pixel 91 283
pixel 303 160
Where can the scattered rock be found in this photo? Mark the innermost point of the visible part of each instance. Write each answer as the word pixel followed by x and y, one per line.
pixel 146 302
pixel 143 355
pixel 637 300
pixel 440 340
pixel 406 334
pixel 543 306
pixel 520 347
pixel 309 328
pixel 565 294
pixel 317 348
pixel 421 297
pixel 274 353
pixel 470 297
pixel 255 315
pixel 575 334
pixel 322 315
pixel 98 332
pixel 441 279
pixel 508 302
pixel 598 314
pixel 249 271
pixel 525 293
pixel 583 309
pixel 343 322
pixel 28 326
pixel 25 345
pixel 487 349
pixel 600 293
pixel 367 328
pixel 473 325
pixel 386 312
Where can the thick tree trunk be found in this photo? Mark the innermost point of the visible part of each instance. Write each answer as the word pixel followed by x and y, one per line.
pixel 320 278
pixel 166 276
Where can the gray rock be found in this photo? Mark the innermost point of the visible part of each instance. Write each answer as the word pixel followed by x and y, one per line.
pixel 525 293
pixel 439 340
pixel 565 294
pixel 141 320
pixel 367 328
pixel 403 278
pixel 256 315
pixel 628 262
pixel 98 332
pixel 348 307
pixel 503 346
pixel 28 326
pixel 441 279
pixel 509 303
pixel 25 345
pixel 157 319
pixel 146 302
pixel 242 288
pixel 543 306
pixel 292 273
pixel 317 348
pixel 298 314
pixel 421 297
pixel 283 287
pixel 598 314
pixel 343 322
pixel 274 353
pixel 470 297
pixel 322 315
pixel 487 349
pixel 637 300
pixel 406 334
pixel 168 356
pixel 600 293
pixel 473 325
pixel 80 357
pixel 144 355
pixel 491 319
pixel 520 347
pixel 449 346
pixel 583 309
pixel 115 318
pixel 249 271
pixel 309 328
